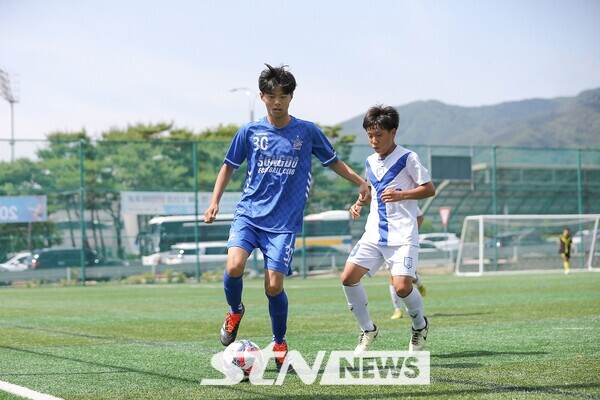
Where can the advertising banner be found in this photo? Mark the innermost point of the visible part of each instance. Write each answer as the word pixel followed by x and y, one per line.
pixel 15 209
pixel 174 203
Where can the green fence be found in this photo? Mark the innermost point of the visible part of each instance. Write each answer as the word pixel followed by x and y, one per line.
pixel 83 181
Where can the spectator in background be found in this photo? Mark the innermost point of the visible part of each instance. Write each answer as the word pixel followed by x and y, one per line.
pixel 564 248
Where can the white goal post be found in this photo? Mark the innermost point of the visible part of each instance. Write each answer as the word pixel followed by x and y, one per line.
pixel 526 243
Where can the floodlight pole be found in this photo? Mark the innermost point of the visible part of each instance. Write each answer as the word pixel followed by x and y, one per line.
pixel 7 94
pixel 12 131
pixel 252 95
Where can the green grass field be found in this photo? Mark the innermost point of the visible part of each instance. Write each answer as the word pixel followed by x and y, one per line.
pixel 522 336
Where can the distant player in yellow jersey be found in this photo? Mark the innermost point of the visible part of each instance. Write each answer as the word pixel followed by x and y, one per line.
pixel 564 245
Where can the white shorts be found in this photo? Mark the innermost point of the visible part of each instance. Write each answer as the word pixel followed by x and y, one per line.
pixel 400 260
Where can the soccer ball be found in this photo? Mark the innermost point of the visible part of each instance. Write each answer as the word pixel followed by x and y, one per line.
pixel 240 357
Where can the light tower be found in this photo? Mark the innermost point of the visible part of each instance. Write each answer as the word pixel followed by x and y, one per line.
pixel 251 98
pixel 7 94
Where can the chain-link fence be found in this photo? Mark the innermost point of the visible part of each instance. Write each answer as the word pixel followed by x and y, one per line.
pixel 74 194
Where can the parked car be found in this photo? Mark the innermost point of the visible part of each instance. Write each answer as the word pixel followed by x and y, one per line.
pixel 57 257
pixel 526 237
pixel 319 257
pixel 16 263
pixel 185 253
pixel 113 262
pixel 444 241
pixel 582 241
pixel 427 246
pixel 429 251
pixel 585 235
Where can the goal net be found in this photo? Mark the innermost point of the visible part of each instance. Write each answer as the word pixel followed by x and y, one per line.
pixel 526 243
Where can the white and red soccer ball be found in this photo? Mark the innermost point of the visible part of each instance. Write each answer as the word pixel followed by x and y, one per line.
pixel 240 357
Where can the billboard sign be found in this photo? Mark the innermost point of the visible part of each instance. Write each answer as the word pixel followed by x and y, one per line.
pixel 14 209
pixel 173 203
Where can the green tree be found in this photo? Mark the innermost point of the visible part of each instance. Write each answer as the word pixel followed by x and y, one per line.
pixel 214 145
pixel 61 163
pixel 328 190
pixel 140 158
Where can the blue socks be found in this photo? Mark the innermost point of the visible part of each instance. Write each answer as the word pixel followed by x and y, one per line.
pixel 278 310
pixel 233 292
pixel 278 305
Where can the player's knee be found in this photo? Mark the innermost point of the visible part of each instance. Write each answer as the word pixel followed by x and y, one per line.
pixel 234 269
pixel 351 275
pixel 273 289
pixel 348 279
pixel 403 288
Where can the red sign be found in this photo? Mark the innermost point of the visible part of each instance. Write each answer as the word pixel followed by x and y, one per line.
pixel 445 216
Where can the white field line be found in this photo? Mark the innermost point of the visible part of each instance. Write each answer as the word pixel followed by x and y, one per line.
pixel 24 392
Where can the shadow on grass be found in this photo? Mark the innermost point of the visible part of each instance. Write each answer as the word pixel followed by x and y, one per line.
pixel 117 368
pixel 458 365
pixel 487 353
pixel 477 353
pixel 247 390
pixel 567 391
pixel 456 314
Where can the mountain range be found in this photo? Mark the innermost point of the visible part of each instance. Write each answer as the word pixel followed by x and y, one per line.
pixel 563 122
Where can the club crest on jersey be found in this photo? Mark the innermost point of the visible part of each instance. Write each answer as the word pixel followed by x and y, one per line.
pixel 297 143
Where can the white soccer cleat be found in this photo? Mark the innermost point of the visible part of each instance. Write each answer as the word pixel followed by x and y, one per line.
pixel 365 340
pixel 418 338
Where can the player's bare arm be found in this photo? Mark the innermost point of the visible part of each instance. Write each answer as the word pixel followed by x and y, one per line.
pixel 418 193
pixel 355 210
pixel 357 207
pixel 343 170
pixel 220 185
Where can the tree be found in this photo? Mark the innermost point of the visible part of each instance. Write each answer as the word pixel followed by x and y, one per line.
pixel 328 190
pixel 214 144
pixel 141 157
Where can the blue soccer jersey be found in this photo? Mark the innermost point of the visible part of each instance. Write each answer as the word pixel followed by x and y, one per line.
pixel 279 171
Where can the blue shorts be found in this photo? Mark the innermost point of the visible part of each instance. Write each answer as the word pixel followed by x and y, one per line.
pixel 278 248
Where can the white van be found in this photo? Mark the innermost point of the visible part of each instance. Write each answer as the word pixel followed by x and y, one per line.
pixel 185 253
pixel 443 240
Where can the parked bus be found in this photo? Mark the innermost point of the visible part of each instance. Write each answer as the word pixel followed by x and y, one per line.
pixel 329 228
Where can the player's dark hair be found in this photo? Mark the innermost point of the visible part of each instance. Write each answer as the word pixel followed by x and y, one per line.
pixel 272 78
pixel 381 117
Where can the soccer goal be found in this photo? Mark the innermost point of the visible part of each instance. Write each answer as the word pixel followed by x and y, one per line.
pixel 526 243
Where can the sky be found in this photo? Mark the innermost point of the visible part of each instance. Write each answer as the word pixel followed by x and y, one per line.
pixel 102 64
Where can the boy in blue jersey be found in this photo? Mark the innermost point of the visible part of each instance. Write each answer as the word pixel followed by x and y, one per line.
pixel 391 234
pixel 278 149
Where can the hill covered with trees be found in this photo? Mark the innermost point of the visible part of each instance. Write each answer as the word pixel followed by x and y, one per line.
pixel 559 122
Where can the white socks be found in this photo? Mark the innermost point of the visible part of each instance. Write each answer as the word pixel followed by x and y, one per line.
pixel 357 301
pixel 414 306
